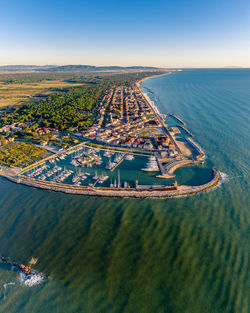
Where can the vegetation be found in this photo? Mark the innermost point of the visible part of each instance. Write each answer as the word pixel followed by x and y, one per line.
pixel 73 108
pixel 58 141
pixel 21 154
pixel 16 93
pixel 62 111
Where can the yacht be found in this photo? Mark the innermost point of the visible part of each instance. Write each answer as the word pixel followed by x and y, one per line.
pixel 129 157
pixel 152 165
pixel 107 154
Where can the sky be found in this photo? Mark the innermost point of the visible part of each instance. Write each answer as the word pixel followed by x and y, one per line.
pixel 164 33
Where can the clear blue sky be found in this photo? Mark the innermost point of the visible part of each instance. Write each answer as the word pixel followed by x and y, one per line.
pixel 176 33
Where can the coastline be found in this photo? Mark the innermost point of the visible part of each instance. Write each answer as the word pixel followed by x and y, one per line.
pixel 151 103
pixel 139 82
pixel 150 192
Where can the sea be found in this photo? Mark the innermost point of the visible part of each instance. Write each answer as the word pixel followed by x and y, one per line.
pixel 177 255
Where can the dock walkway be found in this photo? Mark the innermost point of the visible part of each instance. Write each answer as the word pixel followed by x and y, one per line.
pixel 115 164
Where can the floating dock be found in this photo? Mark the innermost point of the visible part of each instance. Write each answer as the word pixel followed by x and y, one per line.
pixel 115 164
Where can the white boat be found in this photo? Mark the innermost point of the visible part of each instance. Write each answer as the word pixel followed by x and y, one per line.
pixel 129 157
pixel 103 178
pixel 107 154
pixel 151 166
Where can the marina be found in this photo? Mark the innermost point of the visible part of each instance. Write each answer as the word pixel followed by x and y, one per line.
pixel 138 148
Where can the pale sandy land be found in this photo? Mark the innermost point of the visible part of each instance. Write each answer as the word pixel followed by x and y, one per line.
pixel 14 94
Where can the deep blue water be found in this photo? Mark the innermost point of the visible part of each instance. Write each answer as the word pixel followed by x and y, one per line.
pixel 125 255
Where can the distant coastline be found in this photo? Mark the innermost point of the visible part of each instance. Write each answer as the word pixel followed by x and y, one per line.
pixel 139 82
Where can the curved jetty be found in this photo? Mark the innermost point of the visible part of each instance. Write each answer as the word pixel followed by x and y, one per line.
pixel 171 167
pixel 137 192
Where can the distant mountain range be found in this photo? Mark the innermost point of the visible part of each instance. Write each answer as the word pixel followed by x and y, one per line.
pixel 73 68
pixel 24 67
pixel 91 68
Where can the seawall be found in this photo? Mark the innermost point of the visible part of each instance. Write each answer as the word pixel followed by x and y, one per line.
pixel 168 191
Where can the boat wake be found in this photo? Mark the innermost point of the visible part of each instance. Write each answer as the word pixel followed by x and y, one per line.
pixel 224 177
pixel 32 280
pixel 27 276
pixel 5 286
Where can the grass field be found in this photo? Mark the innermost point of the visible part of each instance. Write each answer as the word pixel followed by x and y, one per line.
pixel 20 154
pixel 14 93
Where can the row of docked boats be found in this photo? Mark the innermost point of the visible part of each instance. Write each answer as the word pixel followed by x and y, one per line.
pixel 37 171
pixel 61 156
pixel 100 178
pixel 152 165
pixel 62 176
pixel 119 157
pixel 88 157
pixel 79 177
pixel 56 169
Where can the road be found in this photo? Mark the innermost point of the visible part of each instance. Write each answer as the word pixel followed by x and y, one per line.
pixel 162 122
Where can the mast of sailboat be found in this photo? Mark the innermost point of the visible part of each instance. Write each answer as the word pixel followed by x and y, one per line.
pixel 119 182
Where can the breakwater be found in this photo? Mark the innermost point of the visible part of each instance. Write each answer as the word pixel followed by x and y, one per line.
pixel 165 192
pixel 198 148
pixel 186 130
pixel 171 167
pixel 177 118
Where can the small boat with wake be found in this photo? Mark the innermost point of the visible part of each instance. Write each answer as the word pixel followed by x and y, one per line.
pixel 29 277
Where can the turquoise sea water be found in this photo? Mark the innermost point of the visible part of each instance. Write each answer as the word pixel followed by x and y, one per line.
pixel 125 255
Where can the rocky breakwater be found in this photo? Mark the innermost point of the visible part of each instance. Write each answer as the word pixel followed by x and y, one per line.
pixel 151 192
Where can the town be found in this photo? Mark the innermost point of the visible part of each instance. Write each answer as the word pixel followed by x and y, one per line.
pixel 127 118
pixel 127 126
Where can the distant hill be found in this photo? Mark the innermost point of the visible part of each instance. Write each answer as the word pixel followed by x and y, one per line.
pixel 91 68
pixel 16 68
pixel 74 68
